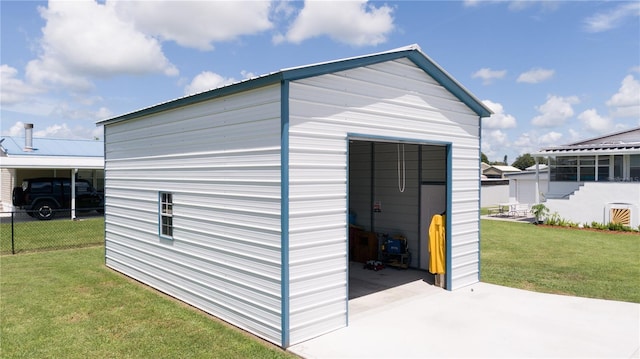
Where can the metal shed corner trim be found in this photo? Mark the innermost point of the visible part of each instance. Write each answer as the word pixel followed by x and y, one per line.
pixel 284 217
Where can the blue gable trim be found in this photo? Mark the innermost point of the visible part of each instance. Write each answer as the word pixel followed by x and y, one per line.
pixel 411 52
pixel 450 84
pixel 414 54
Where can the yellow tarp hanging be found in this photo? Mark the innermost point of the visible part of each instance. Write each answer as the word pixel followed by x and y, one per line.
pixel 436 245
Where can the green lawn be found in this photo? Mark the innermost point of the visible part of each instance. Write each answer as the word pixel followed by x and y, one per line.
pixel 561 260
pixel 60 233
pixel 67 304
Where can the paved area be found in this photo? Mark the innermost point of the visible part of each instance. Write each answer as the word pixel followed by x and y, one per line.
pixel 411 318
pixel 525 219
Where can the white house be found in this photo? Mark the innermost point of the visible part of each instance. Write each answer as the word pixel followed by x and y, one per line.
pixel 529 186
pixel 237 200
pixel 596 180
pixel 499 171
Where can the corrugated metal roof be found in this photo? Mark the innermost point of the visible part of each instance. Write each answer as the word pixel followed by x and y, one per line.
pixel 44 146
pixel 606 138
pixel 592 149
pixel 412 52
pixel 624 142
pixel 506 168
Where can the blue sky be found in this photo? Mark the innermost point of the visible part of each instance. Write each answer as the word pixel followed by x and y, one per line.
pixel 553 72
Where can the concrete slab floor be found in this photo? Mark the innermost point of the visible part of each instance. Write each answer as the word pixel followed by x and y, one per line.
pixel 415 319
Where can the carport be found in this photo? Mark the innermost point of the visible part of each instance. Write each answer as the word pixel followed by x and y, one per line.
pixel 28 157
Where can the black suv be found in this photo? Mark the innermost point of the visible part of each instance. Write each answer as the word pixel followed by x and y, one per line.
pixel 43 197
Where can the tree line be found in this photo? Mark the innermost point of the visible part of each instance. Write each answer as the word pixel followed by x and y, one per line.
pixel 522 162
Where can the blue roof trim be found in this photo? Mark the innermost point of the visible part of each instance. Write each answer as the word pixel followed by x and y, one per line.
pixel 412 52
pixel 284 213
pixel 200 97
pixel 415 55
pixel 342 65
pixel 450 84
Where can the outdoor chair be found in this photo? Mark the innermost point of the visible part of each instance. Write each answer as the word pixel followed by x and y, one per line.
pixel 519 210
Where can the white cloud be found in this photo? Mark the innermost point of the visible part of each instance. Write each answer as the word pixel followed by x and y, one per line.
pixel 532 141
pixel 626 102
pixel 487 75
pixel 16 130
pixel 550 139
pixel 357 23
pixel 525 144
pixel 56 131
pixel 471 3
pixel 84 39
pixel 247 75
pixel 499 119
pixel 64 131
pixel 614 18
pixel 63 110
pixel 493 140
pixel 594 122
pixel 575 135
pixel 535 75
pixel 197 24
pixel 517 5
pixel 206 80
pixel 12 89
pixel 555 111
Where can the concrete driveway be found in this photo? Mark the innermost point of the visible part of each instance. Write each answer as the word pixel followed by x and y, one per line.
pixel 418 320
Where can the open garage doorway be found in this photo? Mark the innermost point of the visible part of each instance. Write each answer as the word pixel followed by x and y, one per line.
pixel 395 188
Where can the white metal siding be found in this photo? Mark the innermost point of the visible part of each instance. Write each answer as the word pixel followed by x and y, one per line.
pixel 221 161
pixel 392 99
pixel 6 188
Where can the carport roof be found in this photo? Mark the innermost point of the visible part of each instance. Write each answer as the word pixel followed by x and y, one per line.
pixel 412 52
pixel 44 146
pixel 51 153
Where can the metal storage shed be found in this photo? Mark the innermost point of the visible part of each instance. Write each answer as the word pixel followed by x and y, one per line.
pixel 237 200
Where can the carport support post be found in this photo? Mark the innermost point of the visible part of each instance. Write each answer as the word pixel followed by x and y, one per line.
pixel 537 198
pixel 74 172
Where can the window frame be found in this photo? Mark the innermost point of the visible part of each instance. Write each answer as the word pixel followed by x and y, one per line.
pixel 165 214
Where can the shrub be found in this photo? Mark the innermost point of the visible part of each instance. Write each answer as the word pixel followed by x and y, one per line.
pixel 539 211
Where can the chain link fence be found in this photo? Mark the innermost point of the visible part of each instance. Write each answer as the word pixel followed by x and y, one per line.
pixel 21 231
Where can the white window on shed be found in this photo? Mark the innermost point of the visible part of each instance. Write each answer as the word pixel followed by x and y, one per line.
pixel 166 214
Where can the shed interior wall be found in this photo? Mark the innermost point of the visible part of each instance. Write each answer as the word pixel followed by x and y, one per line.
pixel 376 176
